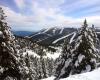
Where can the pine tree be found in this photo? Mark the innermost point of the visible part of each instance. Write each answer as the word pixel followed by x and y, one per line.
pixel 49 67
pixel 42 62
pixel 8 53
pixel 85 52
pixel 83 57
pixel 61 61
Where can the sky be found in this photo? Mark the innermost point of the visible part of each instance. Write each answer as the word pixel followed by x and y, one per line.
pixel 34 15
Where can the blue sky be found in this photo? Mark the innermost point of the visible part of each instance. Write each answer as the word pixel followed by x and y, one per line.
pixel 34 15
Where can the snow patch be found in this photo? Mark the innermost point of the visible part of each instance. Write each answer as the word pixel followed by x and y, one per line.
pixel 71 40
pixel 0 33
pixel 61 31
pixel 30 52
pixel 50 78
pixel 62 38
pixel 80 57
pixel 88 68
pixel 46 30
pixel 97 32
pixel 55 55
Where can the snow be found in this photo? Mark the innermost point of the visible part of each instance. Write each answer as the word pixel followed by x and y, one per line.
pixel 90 50
pixel 93 60
pixel 30 52
pixel 77 45
pixel 55 55
pixel 1 69
pixel 71 40
pixel 80 57
pixel 90 38
pixel 66 65
pixel 76 63
pixel 61 31
pixel 50 78
pixel 46 30
pixel 97 32
pixel 88 68
pixel 78 77
pixel 67 62
pixel 93 75
pixel 85 33
pixel 35 34
pixel 0 33
pixel 62 38
pixel 54 31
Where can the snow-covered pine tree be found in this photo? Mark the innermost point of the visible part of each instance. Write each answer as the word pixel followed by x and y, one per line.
pixel 30 72
pixel 42 62
pixel 63 60
pixel 83 57
pixel 49 66
pixel 8 53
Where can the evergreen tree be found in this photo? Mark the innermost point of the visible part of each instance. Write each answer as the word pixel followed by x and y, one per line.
pixel 42 62
pixel 8 53
pixel 61 61
pixel 83 57
pixel 49 67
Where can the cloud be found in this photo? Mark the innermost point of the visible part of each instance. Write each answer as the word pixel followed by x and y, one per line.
pixel 20 3
pixel 49 3
pixel 17 19
pixel 80 5
pixel 92 11
pixel 50 16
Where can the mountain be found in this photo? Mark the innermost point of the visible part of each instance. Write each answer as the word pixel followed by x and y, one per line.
pixel 23 33
pixel 52 36
pixel 55 36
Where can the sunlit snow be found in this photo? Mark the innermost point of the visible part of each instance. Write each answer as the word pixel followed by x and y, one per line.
pixel 93 75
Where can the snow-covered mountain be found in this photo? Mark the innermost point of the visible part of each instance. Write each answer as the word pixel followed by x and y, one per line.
pixel 52 36
pixel 55 36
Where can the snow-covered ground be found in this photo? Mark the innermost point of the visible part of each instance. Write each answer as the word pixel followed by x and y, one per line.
pixel 54 55
pixel 93 75
pixel 30 52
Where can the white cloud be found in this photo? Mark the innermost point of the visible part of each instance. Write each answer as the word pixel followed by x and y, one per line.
pixel 80 4
pixel 20 3
pixel 43 18
pixel 49 3
pixel 92 11
pixel 16 19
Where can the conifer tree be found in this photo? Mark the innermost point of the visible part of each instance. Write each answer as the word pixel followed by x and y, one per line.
pixel 61 61
pixel 83 57
pixel 8 53
pixel 42 63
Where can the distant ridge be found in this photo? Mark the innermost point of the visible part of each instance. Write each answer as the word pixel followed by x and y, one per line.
pixel 23 33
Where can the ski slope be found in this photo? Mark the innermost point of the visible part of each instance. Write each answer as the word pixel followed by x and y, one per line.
pixel 71 40
pixel 61 31
pixel 62 38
